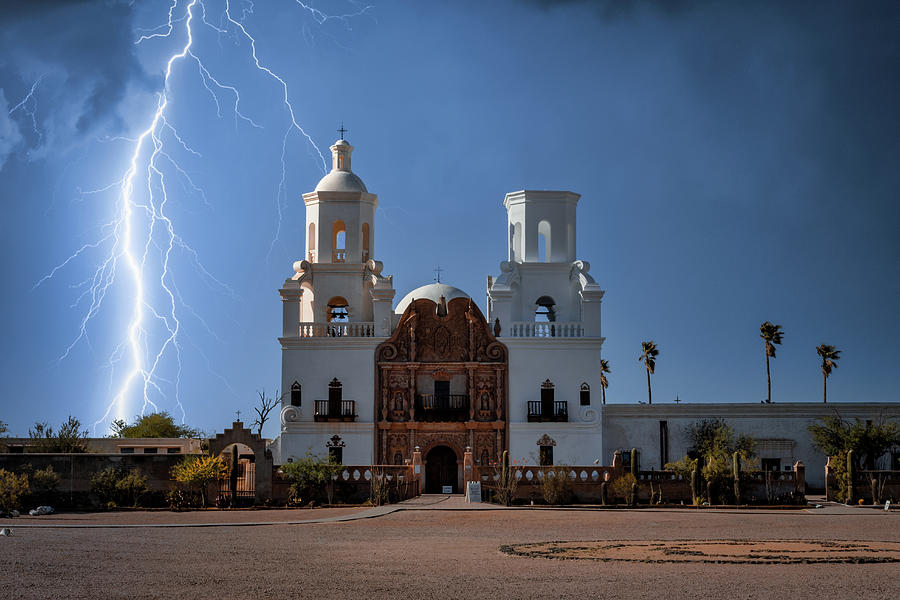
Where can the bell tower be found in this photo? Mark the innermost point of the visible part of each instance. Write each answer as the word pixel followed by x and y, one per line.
pixel 338 279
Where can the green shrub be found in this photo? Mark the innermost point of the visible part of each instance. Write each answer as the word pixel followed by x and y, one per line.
pixel 118 487
pixel 43 485
pixel 13 486
pixel 556 485
pixel 312 477
pixel 623 487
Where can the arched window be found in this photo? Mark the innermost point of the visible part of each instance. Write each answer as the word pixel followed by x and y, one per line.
pixel 338 242
pixel 365 242
pixel 340 161
pixel 295 394
pixel 545 311
pixel 311 242
pixel 335 396
pixel 338 310
pixel 544 247
pixel 585 394
pixel 517 241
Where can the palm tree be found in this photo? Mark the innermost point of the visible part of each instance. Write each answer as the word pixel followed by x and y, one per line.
pixel 649 352
pixel 830 355
pixel 604 382
pixel 771 334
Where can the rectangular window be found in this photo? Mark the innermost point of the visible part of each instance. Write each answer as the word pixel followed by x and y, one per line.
pixel 626 458
pixel 585 397
pixel 149 450
pixel 442 388
pixel 771 464
pixel 336 454
pixel 173 450
pixel 295 394
pixel 663 444
pixel 126 450
pixel 546 456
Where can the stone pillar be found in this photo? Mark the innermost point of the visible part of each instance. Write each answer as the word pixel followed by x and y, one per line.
pixel 290 299
pixel 618 469
pixel 800 477
pixel 382 312
pixel 418 471
pixel 468 466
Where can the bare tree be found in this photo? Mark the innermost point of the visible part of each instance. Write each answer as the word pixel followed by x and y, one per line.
pixel 265 406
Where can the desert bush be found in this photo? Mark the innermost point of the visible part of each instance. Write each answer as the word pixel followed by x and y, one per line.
pixel 312 477
pixel 43 484
pixel 195 473
pixel 623 487
pixel 13 487
pixel 119 487
pixel 556 485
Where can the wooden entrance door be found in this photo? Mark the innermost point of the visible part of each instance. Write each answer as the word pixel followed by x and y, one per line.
pixel 440 469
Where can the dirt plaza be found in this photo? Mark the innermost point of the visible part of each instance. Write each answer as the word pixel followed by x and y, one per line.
pixel 435 547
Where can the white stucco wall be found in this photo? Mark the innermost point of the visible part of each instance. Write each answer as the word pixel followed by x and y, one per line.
pixel 780 429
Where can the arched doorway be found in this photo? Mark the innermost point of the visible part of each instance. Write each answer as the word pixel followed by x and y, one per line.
pixel 237 488
pixel 441 469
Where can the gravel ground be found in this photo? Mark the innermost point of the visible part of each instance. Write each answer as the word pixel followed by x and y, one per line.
pixel 433 554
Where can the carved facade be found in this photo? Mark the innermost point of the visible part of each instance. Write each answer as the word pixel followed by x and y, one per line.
pixel 441 380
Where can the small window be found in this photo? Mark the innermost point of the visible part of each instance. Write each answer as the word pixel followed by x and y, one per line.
pixel 546 456
pixel 150 450
pixel 173 450
pixel 336 454
pixel 295 394
pixel 771 464
pixel 126 450
pixel 626 458
pixel 585 394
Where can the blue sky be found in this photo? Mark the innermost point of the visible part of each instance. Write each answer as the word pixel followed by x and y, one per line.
pixel 738 162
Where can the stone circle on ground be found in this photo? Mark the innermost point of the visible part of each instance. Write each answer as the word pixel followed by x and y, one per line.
pixel 714 551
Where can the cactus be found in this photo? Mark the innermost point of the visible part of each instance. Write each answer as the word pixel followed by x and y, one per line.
pixel 736 467
pixel 634 462
pixel 604 493
pixel 634 493
pixel 504 468
pixel 851 474
pixel 695 483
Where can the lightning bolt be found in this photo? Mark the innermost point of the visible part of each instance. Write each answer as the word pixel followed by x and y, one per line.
pixel 28 106
pixel 141 227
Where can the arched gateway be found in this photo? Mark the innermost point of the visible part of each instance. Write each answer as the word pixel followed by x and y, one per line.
pixel 441 384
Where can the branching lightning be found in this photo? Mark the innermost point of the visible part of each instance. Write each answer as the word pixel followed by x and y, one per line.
pixel 141 226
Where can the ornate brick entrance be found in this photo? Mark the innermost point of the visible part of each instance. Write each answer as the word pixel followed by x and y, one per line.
pixel 441 380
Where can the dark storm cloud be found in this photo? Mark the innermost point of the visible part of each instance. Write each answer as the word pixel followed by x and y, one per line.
pixel 84 50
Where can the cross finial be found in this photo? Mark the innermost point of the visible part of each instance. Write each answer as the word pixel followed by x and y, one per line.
pixel 437 273
pixel 677 399
pixel 342 131
pixel 238 413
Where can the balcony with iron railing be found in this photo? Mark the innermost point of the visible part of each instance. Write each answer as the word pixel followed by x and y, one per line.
pixel 546 329
pixel 543 411
pixel 442 407
pixel 335 410
pixel 312 329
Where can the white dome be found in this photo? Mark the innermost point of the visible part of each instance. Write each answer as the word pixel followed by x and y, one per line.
pixel 433 292
pixel 341 181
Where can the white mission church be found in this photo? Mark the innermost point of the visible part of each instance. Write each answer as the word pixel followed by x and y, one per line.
pixel 372 381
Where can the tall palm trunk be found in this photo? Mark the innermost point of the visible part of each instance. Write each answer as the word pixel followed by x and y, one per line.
pixel 768 379
pixel 603 394
pixel 825 388
pixel 649 393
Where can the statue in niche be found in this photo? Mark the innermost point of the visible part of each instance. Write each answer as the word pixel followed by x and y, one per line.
pixel 497 327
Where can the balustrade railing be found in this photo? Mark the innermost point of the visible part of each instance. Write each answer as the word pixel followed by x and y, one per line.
pixel 339 256
pixel 352 329
pixel 539 329
pixel 330 410
pixel 442 407
pixel 544 411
